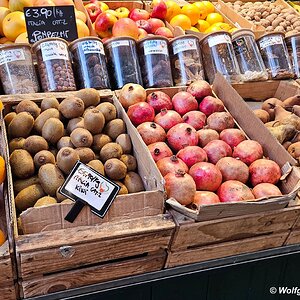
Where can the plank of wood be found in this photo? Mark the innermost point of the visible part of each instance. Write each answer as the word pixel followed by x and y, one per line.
pixel 8 292
pixel 294 238
pixel 225 249
pixel 92 275
pixel 6 272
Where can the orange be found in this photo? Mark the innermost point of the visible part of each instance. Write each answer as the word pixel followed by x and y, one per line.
pixel 22 38
pixel 2 237
pixel 202 25
pixel 13 25
pixel 203 10
pixel 213 18
pixel 82 29
pixel 191 11
pixel 2 170
pixel 173 9
pixel 4 11
pixel 209 6
pixel 232 30
pixel 182 21
pixel 213 28
pixel 4 3
pixel 194 29
pixel 223 26
pixel 1 105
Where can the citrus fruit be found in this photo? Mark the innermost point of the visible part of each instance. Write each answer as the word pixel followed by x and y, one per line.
pixel 22 38
pixel 233 30
pixel 194 29
pixel 13 25
pixel 18 5
pixel 191 11
pixel 1 105
pixel 213 18
pixel 223 26
pixel 4 3
pixel 182 21
pixel 2 237
pixel 173 9
pixel 209 6
pixel 213 28
pixel 82 29
pixel 2 170
pixel 4 11
pixel 203 10
pixel 202 25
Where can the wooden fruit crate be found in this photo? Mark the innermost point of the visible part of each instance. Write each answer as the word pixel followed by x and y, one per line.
pixel 201 241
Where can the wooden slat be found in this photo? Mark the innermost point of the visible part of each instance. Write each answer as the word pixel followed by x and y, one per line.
pixel 294 238
pixel 6 273
pixel 8 292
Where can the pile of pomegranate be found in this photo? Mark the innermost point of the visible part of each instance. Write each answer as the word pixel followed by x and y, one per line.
pixel 203 158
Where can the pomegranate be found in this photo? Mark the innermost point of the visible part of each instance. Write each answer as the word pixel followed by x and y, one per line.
pixel 210 104
pixel 207 135
pixel 191 155
pixel 233 169
pixel 170 165
pixel 141 112
pixel 151 133
pixel 263 190
pixel 220 121
pixel 232 136
pixel 234 191
pixel 195 118
pixel 168 118
pixel 184 102
pixel 182 135
pixel 205 198
pixel 206 175
pixel 248 151
pixel 216 150
pixel 132 93
pixel 159 150
pixel 199 89
pixel 180 186
pixel 264 171
pixel 159 100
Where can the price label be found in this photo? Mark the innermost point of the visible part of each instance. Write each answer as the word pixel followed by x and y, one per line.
pixel 155 47
pixel 219 39
pixel 270 41
pixel 54 50
pixel 8 56
pixel 184 45
pixel 90 47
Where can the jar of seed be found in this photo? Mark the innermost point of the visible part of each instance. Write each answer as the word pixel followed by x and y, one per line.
pixel 293 46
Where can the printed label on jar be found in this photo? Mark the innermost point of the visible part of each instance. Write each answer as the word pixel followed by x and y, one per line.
pixel 219 39
pixel 90 47
pixel 155 47
pixel 184 45
pixel 240 46
pixel 8 56
pixel 54 50
pixel 119 43
pixel 270 41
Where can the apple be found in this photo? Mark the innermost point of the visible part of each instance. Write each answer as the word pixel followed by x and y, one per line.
pixel 155 24
pixel 104 24
pixel 113 12
pixel 142 33
pixel 93 11
pixel 144 24
pixel 123 12
pixel 103 6
pixel 164 31
pixel 125 27
pixel 159 10
pixel 139 14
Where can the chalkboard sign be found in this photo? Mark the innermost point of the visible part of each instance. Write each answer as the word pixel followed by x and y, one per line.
pixel 50 21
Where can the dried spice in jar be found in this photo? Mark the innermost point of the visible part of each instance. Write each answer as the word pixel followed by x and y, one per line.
pixel 54 65
pixel 17 72
pixel 122 62
pixel 155 62
pixel 89 63
pixel 186 60
pixel 275 56
pixel 293 46
pixel 218 56
pixel 248 56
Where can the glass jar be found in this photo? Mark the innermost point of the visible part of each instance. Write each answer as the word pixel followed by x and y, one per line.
pixel 275 56
pixel 17 72
pixel 89 63
pixel 122 62
pixel 293 46
pixel 248 56
pixel 54 65
pixel 218 56
pixel 186 59
pixel 155 62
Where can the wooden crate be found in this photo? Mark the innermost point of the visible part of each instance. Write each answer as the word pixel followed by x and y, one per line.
pixel 201 241
pixel 116 4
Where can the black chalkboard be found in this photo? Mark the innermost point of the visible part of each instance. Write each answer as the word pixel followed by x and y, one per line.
pixel 50 21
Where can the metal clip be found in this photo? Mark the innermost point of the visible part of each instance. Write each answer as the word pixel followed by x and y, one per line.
pixel 67 251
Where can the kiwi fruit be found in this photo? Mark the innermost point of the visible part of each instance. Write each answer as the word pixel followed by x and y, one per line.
pixel 21 163
pixel 81 137
pixel 85 154
pixel 9 117
pixel 43 157
pixel 30 107
pixel 108 110
pixel 53 130
pixel 21 125
pixel 89 96
pixel 97 165
pixel 99 140
pixel 87 110
pixel 133 182
pixel 21 184
pixel 71 107
pixel 75 123
pixel 67 201
pixel 35 143
pixel 114 128
pixel 66 159
pixel 49 102
pixel 45 201
pixel 123 190
pixel 43 117
pixel 65 141
pixel 16 143
pixel 28 196
pixel 51 178
pixel 94 121
pixel 115 169
pixel 129 161
pixel 125 142
pixel 110 150
pixel 53 150
pixel 59 196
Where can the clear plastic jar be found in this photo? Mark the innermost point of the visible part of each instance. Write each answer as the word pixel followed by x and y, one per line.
pixel 17 72
pixel 155 62
pixel 218 56
pixel 122 62
pixel 293 46
pixel 89 63
pixel 248 56
pixel 186 59
pixel 54 65
pixel 275 56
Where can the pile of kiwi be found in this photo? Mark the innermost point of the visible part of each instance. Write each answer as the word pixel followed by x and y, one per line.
pixel 46 141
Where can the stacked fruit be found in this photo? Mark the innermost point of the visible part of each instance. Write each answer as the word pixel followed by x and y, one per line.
pixel 45 143
pixel 192 139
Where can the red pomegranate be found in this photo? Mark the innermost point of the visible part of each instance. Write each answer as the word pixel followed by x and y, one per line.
pixel 170 165
pixel 205 198
pixel 220 121
pixel 199 89
pixel 151 133
pixel 184 102
pixel 248 151
pixel 263 190
pixel 216 150
pixel 159 100
pixel 191 155
pixel 159 150
pixel 140 112
pixel 232 136
pixel 210 104
pixel 207 135
pixel 195 118
pixel 168 118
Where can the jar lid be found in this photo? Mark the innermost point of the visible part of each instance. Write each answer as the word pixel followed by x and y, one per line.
pixel 241 32
pixel 10 46
pixel 119 38
pixel 214 33
pixel 289 36
pixel 38 43
pixel 74 43
pixel 152 38
pixel 271 33
pixel 183 37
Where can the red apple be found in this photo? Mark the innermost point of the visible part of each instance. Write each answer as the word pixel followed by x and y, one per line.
pixel 104 24
pixel 139 14
pixel 155 24
pixel 126 27
pixel 159 10
pixel 93 11
pixel 142 33
pixel 164 31
pixel 144 24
